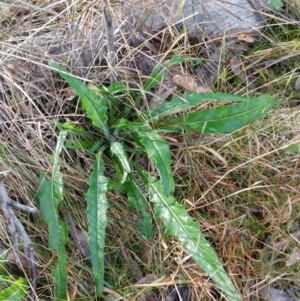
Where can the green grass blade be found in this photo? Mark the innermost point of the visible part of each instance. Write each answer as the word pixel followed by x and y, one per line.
pixel 94 105
pixel 16 291
pixel 188 101
pixel 179 224
pixel 224 119
pixel 50 194
pixel 136 198
pixel 97 220
pixel 158 151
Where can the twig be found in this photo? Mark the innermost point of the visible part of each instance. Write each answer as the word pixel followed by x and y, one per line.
pixel 16 229
pixel 23 207
pixel 80 238
pixel 8 212
pixel 111 55
pixel 30 253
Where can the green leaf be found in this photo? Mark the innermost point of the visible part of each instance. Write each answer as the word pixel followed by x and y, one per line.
pixel 275 4
pixel 5 279
pixel 191 100
pixel 177 59
pixel 124 124
pixel 50 194
pixel 77 144
pixel 158 151
pixel 157 75
pixel 293 148
pixel 16 291
pixel 70 128
pixel 117 149
pixel 179 224
pixel 224 119
pixel 97 220
pixel 95 146
pixel 136 197
pixel 60 273
pixel 94 105
pixel 117 87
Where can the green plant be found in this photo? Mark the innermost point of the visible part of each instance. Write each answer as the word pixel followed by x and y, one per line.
pixel 275 4
pixel 139 133
pixel 10 288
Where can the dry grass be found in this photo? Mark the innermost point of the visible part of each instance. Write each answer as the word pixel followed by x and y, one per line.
pixel 243 189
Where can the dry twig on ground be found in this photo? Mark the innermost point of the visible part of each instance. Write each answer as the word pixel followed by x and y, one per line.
pixel 16 229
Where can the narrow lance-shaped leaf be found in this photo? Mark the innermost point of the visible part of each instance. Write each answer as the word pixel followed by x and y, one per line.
pixel 136 198
pixel 179 224
pixel 158 150
pixel 50 195
pixel 224 119
pixel 97 220
pixel 191 100
pixel 94 105
pixel 60 273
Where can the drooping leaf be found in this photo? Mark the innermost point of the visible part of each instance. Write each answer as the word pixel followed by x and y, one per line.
pixel 16 291
pixel 94 105
pixel 178 223
pixel 117 149
pixel 136 197
pixel 225 119
pixel 50 194
pixel 191 100
pixel 158 150
pixel 97 220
